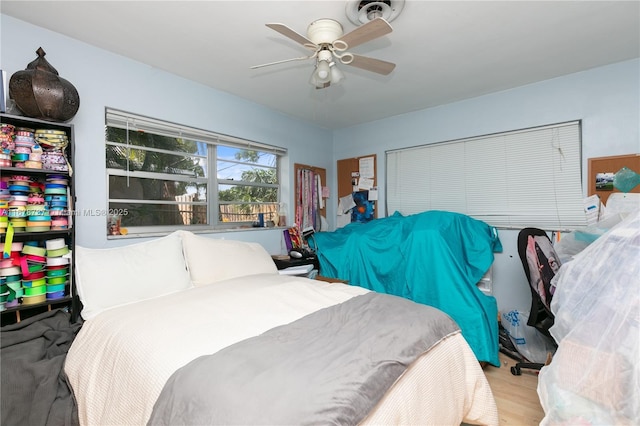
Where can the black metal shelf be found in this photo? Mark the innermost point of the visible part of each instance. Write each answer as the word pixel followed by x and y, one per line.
pixel 62 300
pixel 70 301
pixel 33 172
pixel 40 235
pixel 30 122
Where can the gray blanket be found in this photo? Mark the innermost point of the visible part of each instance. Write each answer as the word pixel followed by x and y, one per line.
pixel 329 367
pixel 34 387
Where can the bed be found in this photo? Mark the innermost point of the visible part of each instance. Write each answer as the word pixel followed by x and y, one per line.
pixel 132 353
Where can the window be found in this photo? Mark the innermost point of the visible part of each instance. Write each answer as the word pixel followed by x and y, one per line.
pixel 524 178
pixel 163 176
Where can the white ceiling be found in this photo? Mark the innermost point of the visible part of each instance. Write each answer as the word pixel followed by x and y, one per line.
pixel 445 51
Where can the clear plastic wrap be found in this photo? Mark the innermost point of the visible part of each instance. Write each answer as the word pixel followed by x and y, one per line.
pixel 529 342
pixel 594 377
pixel 576 241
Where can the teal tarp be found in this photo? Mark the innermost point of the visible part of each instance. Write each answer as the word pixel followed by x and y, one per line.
pixel 435 258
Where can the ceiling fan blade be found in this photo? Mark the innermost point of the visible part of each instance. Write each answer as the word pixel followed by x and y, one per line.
pixel 369 31
pixel 288 32
pixel 282 62
pixel 371 64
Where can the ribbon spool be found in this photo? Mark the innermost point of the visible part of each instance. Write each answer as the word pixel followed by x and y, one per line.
pixel 33 277
pixel 36 259
pixel 34 300
pixel 57 261
pixel 12 271
pixel 55 295
pixel 34 250
pixel 34 283
pixel 56 281
pixel 35 291
pixel 6 263
pixel 55 288
pixel 55 244
pixel 58 252
pixel 53 273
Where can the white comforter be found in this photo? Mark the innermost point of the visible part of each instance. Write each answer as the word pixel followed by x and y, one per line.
pixel 121 359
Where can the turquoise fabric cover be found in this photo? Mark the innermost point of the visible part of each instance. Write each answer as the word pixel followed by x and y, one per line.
pixel 435 258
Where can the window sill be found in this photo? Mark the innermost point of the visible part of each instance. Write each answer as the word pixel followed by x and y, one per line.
pixel 155 234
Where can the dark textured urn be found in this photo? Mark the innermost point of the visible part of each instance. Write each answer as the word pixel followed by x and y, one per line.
pixel 39 92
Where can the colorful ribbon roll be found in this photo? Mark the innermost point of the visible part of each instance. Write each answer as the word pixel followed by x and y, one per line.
pixel 54 288
pixel 34 250
pixel 35 291
pixel 57 261
pixel 34 283
pixel 34 300
pixel 55 295
pixel 55 280
pixel 58 252
pixel 55 244
pixel 51 273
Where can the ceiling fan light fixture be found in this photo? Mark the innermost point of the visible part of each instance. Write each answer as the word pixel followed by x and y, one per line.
pixel 313 80
pixel 323 71
pixel 318 79
pixel 336 75
pixel 317 83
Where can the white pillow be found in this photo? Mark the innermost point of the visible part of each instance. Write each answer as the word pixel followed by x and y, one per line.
pixel 117 276
pixel 210 260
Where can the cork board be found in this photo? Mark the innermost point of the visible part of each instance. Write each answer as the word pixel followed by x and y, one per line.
pixel 602 168
pixel 346 168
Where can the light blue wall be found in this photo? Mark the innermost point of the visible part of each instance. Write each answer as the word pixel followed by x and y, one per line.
pixel 606 99
pixel 104 79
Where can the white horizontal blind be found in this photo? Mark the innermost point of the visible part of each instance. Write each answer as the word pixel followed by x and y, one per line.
pixel 523 178
pixel 134 122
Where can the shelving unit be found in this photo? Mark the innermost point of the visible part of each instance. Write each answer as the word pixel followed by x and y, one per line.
pixel 69 301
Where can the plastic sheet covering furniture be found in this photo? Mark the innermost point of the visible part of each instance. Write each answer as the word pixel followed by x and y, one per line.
pixel 435 258
pixel 595 374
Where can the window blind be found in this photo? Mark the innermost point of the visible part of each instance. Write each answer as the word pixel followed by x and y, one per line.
pixel 127 120
pixel 530 177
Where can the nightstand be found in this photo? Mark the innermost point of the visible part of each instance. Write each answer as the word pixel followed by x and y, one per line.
pixel 331 280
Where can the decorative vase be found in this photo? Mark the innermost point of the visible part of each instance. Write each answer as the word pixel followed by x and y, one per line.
pixel 39 91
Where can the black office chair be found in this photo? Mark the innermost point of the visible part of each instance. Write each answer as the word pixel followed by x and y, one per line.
pixel 540 263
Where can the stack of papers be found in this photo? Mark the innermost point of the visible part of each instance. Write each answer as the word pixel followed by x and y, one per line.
pixel 296 270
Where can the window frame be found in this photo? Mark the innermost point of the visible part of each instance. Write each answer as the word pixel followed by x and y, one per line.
pixel 133 122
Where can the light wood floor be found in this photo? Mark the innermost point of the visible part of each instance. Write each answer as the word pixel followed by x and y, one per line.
pixel 516 396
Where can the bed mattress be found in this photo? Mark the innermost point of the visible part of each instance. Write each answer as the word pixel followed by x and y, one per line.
pixel 122 358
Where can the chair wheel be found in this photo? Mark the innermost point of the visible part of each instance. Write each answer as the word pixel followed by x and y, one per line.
pixel 516 371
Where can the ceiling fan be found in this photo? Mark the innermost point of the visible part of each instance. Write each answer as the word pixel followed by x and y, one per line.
pixel 326 39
